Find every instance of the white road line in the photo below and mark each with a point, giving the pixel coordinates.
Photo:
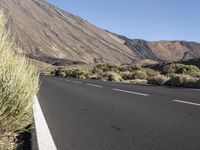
(94, 85)
(131, 92)
(78, 82)
(186, 102)
(44, 138)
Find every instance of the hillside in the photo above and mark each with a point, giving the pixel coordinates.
(48, 34)
(53, 37)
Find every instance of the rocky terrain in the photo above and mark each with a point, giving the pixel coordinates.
(53, 37)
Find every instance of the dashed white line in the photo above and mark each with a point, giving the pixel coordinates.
(78, 82)
(131, 92)
(94, 85)
(44, 137)
(186, 102)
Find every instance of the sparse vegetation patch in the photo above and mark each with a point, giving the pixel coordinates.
(178, 75)
(18, 85)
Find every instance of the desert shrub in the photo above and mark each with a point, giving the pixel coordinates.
(151, 73)
(183, 81)
(176, 80)
(127, 75)
(137, 72)
(169, 69)
(128, 68)
(158, 80)
(181, 69)
(107, 67)
(140, 74)
(58, 72)
(72, 72)
(76, 73)
(18, 85)
(125, 68)
(96, 71)
(112, 76)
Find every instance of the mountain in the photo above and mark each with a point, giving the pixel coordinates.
(53, 37)
(163, 51)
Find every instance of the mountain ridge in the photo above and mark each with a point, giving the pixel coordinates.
(52, 37)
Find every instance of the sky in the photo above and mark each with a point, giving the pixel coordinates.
(140, 19)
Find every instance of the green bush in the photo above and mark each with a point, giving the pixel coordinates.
(18, 85)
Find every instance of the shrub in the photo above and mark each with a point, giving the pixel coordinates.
(140, 74)
(59, 72)
(76, 73)
(181, 69)
(159, 80)
(18, 85)
(112, 76)
(176, 80)
(183, 81)
(151, 73)
(96, 72)
(169, 69)
(127, 75)
(128, 68)
(107, 67)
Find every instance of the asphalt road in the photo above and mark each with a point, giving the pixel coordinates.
(97, 115)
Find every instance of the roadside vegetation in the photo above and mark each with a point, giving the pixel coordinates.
(178, 75)
(18, 85)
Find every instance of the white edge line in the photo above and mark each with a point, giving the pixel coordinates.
(94, 85)
(44, 137)
(186, 102)
(131, 92)
(77, 82)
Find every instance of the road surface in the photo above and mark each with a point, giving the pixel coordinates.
(97, 115)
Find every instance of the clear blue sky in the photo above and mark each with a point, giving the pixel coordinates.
(145, 19)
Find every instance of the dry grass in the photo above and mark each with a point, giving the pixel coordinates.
(18, 84)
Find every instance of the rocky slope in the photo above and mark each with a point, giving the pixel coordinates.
(51, 36)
